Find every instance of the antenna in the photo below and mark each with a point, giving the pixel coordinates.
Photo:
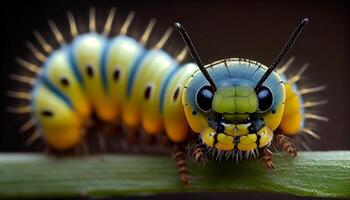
(283, 53)
(194, 54)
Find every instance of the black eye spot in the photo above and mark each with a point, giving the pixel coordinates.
(265, 98)
(47, 113)
(204, 98)
(176, 94)
(116, 75)
(148, 91)
(194, 113)
(89, 71)
(273, 111)
(64, 81)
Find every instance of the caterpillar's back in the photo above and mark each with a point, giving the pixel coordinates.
(115, 78)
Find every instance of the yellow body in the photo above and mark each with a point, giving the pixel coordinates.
(292, 116)
(58, 68)
(97, 75)
(121, 55)
(139, 109)
(175, 121)
(88, 54)
(62, 130)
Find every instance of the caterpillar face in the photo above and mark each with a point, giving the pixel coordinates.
(236, 115)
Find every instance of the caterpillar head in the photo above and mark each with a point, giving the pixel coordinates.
(235, 104)
(235, 112)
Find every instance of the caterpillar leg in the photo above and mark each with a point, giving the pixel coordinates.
(286, 144)
(267, 155)
(198, 154)
(181, 162)
(129, 139)
(132, 136)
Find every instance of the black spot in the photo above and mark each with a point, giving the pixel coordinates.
(47, 113)
(215, 139)
(273, 111)
(176, 94)
(219, 117)
(220, 128)
(148, 91)
(251, 129)
(194, 113)
(256, 126)
(236, 140)
(89, 71)
(204, 98)
(258, 137)
(116, 75)
(265, 98)
(64, 81)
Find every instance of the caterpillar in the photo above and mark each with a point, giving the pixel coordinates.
(234, 108)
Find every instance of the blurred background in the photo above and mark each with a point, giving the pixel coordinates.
(255, 30)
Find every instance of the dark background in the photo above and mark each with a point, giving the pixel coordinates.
(220, 29)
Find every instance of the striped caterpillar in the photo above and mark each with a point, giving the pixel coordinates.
(235, 108)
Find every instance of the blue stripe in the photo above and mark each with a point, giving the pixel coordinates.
(134, 68)
(103, 64)
(43, 79)
(56, 91)
(73, 64)
(165, 86)
(301, 102)
(34, 94)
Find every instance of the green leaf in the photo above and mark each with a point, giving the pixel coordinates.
(313, 174)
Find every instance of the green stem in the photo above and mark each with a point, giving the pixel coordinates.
(313, 174)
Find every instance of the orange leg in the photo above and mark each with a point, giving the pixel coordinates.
(180, 157)
(286, 144)
(267, 155)
(198, 153)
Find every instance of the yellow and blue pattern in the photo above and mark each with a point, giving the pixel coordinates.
(119, 79)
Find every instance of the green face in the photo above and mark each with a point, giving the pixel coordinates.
(235, 103)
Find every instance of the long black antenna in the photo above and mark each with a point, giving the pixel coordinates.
(283, 53)
(194, 54)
